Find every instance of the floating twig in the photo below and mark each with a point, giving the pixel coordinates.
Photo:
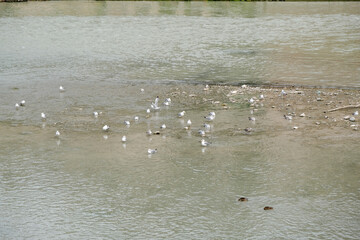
(345, 107)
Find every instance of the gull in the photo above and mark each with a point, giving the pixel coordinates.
(283, 93)
(252, 119)
(251, 100)
(202, 133)
(154, 105)
(210, 117)
(57, 134)
(261, 97)
(302, 115)
(61, 89)
(123, 139)
(206, 87)
(188, 123)
(136, 118)
(17, 105)
(167, 101)
(96, 114)
(163, 126)
(152, 151)
(204, 143)
(149, 132)
(43, 116)
(356, 113)
(148, 110)
(142, 90)
(106, 128)
(288, 117)
(207, 127)
(181, 114)
(22, 103)
(127, 123)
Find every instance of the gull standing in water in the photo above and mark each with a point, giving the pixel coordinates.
(61, 89)
(96, 114)
(204, 143)
(167, 101)
(188, 123)
(17, 106)
(149, 132)
(127, 123)
(106, 128)
(202, 133)
(43, 116)
(210, 117)
(22, 103)
(163, 126)
(57, 134)
(181, 114)
(136, 118)
(152, 151)
(123, 139)
(207, 127)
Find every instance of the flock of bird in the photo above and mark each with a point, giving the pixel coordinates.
(153, 107)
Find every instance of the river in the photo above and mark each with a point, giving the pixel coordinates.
(88, 184)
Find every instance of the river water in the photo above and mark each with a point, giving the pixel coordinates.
(87, 184)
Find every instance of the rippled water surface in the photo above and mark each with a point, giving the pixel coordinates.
(87, 184)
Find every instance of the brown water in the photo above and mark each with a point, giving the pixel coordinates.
(87, 184)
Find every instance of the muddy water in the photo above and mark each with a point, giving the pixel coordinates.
(88, 184)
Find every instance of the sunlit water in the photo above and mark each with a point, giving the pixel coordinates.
(87, 184)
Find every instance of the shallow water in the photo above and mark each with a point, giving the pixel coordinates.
(87, 184)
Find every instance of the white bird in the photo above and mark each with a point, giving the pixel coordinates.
(283, 93)
(57, 134)
(181, 114)
(288, 117)
(356, 113)
(261, 97)
(22, 103)
(123, 139)
(251, 100)
(96, 114)
(43, 116)
(204, 143)
(207, 127)
(188, 123)
(136, 118)
(155, 107)
(142, 90)
(163, 126)
(127, 123)
(106, 128)
(202, 133)
(17, 105)
(252, 119)
(166, 103)
(149, 132)
(152, 151)
(61, 89)
(148, 110)
(210, 117)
